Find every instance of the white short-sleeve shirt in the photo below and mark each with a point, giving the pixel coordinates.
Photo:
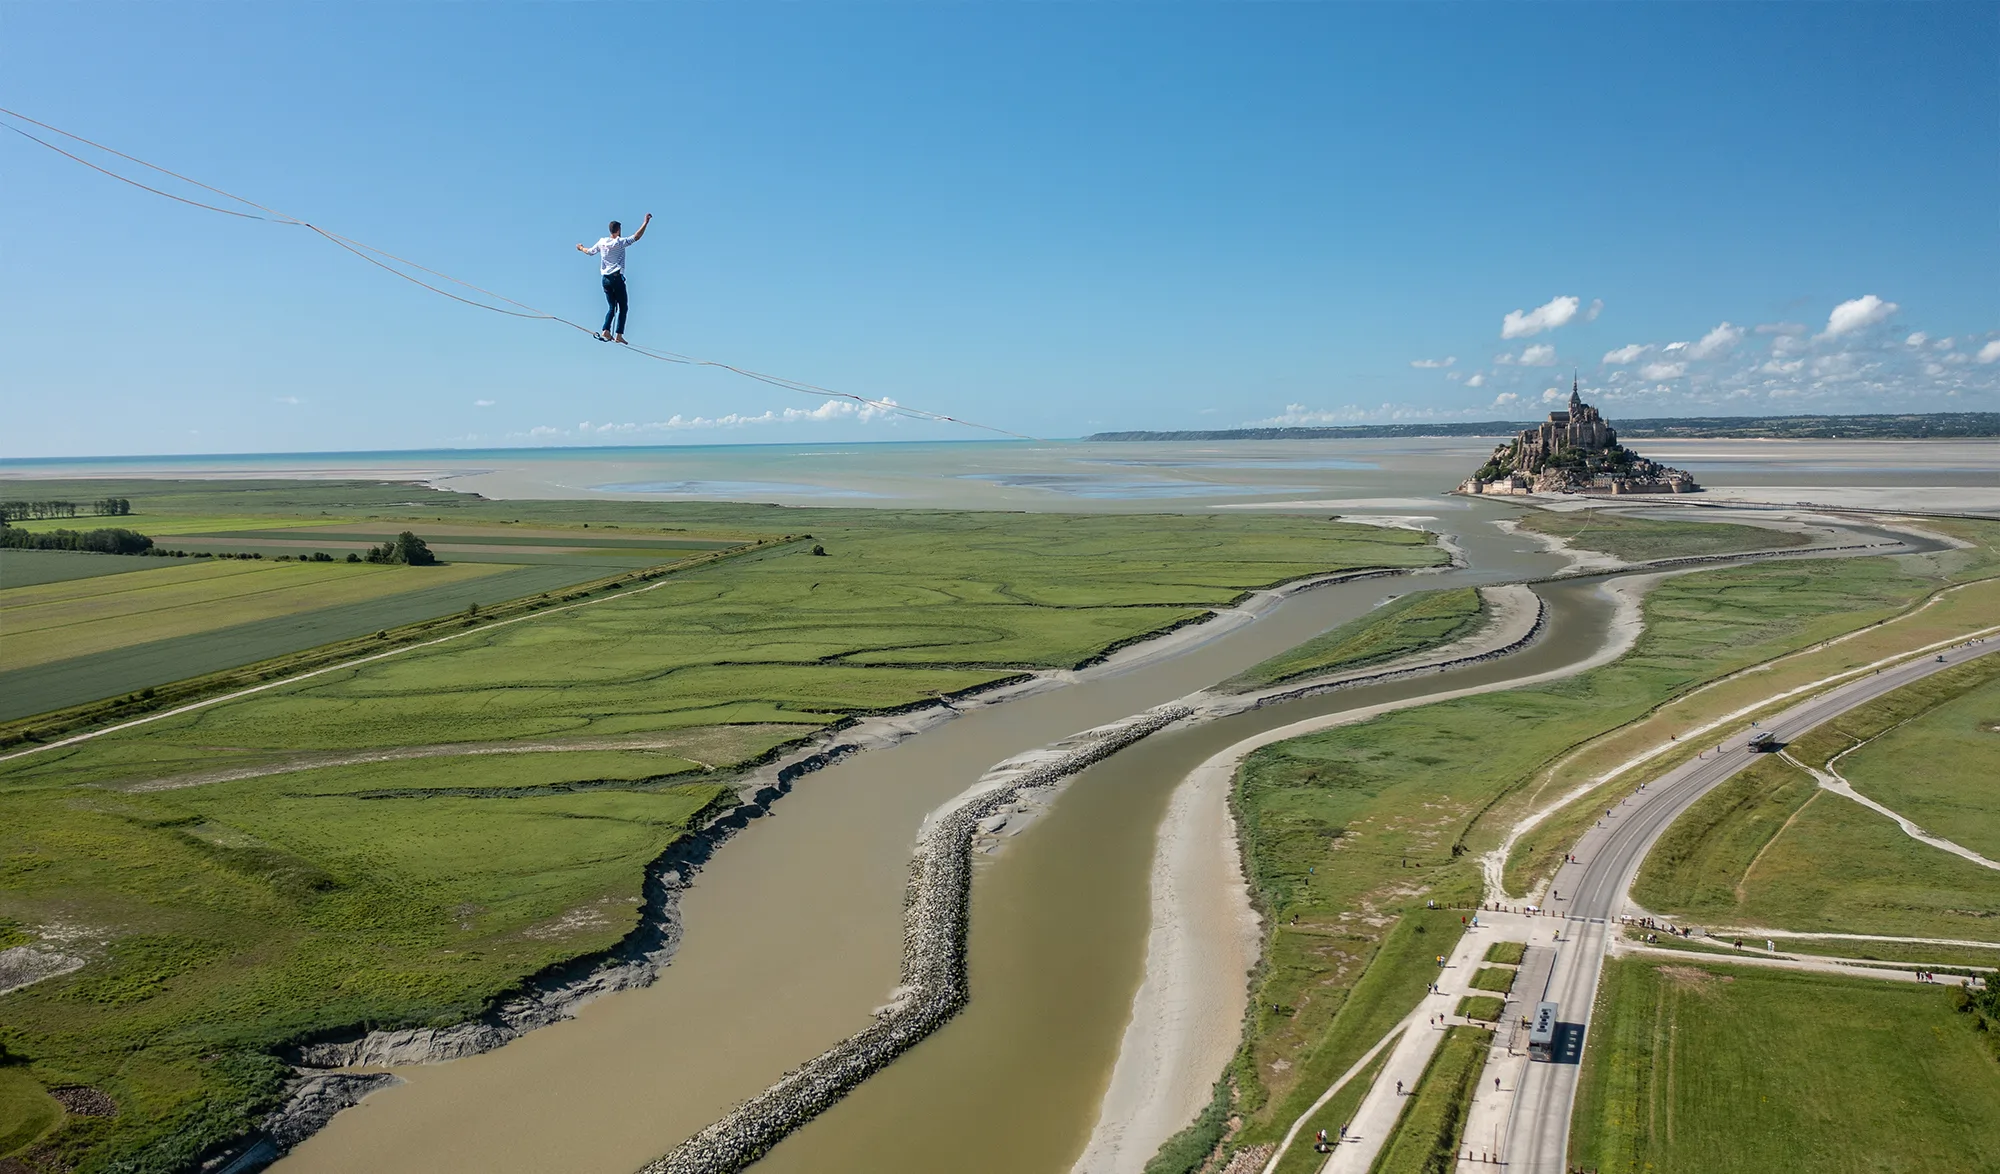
(611, 254)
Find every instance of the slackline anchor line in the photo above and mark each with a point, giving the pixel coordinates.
(388, 262)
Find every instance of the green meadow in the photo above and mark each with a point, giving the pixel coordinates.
(1412, 623)
(1770, 848)
(1957, 792)
(89, 617)
(1638, 539)
(1701, 1068)
(401, 842)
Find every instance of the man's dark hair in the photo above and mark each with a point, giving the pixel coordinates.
(616, 228)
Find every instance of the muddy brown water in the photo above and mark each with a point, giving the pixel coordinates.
(792, 937)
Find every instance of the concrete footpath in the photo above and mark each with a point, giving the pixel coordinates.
(1493, 1103)
(1376, 1118)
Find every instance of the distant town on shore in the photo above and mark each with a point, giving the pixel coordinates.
(1922, 426)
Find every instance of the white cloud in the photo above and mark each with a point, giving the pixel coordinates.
(1551, 314)
(1917, 339)
(1945, 344)
(1774, 367)
(1990, 352)
(1447, 361)
(1478, 380)
(482, 403)
(1787, 344)
(1857, 314)
(1596, 308)
(1659, 371)
(1296, 415)
(1674, 348)
(1539, 355)
(832, 409)
(1716, 342)
(1626, 354)
(1552, 395)
(1783, 328)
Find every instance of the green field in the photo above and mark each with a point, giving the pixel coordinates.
(1412, 623)
(1956, 794)
(1352, 830)
(1433, 1120)
(1714, 1069)
(28, 568)
(1498, 979)
(89, 617)
(1638, 539)
(238, 916)
(1770, 848)
(352, 849)
(1507, 953)
(82, 632)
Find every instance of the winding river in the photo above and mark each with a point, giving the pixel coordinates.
(792, 935)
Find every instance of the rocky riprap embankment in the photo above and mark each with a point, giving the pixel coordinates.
(935, 926)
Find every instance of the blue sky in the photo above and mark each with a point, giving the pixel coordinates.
(1051, 218)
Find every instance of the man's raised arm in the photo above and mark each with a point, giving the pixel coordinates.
(586, 248)
(642, 228)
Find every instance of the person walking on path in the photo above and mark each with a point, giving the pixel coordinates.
(610, 254)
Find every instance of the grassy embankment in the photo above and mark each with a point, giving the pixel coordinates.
(1714, 1069)
(1507, 953)
(1641, 539)
(221, 919)
(1432, 1123)
(1770, 848)
(1412, 623)
(1352, 830)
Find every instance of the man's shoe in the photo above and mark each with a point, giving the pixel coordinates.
(604, 336)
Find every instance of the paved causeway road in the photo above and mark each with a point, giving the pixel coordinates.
(1592, 895)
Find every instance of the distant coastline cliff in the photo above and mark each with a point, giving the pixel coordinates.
(1573, 451)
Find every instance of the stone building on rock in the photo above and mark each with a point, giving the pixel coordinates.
(1573, 451)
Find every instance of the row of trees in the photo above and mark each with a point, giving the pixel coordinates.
(109, 507)
(113, 540)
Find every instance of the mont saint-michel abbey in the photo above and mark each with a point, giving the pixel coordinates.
(1574, 451)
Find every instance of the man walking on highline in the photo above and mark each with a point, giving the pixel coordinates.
(610, 254)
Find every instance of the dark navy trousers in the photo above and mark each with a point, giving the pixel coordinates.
(614, 297)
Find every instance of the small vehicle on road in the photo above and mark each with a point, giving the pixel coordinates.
(1761, 741)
